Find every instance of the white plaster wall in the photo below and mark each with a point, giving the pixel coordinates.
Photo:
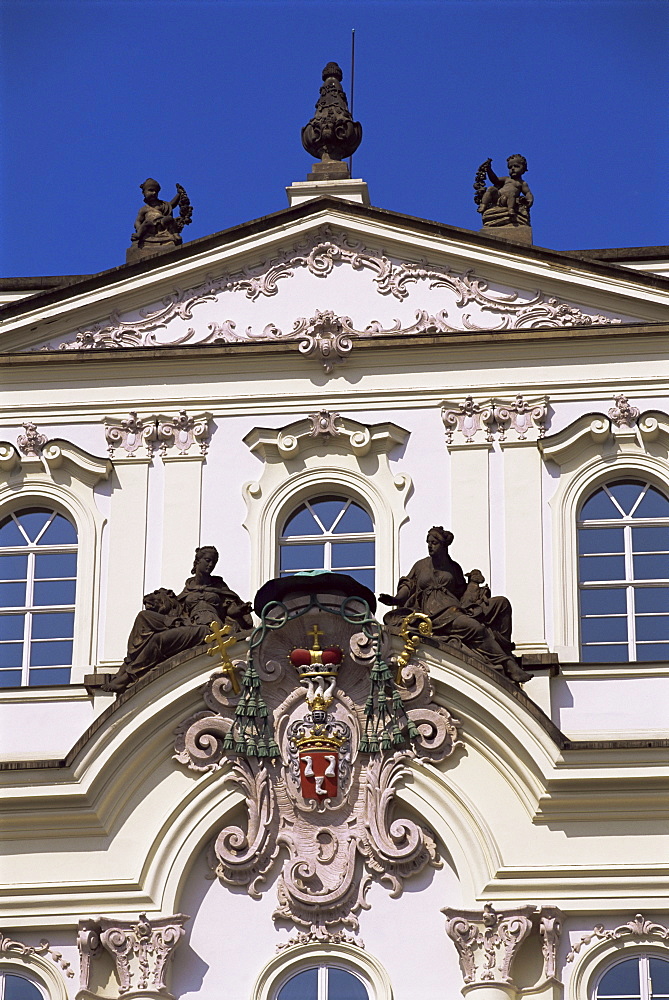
(610, 706)
(231, 936)
(47, 728)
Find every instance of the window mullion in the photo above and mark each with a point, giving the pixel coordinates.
(629, 592)
(28, 625)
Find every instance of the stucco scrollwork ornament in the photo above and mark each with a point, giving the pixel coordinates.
(325, 337)
(521, 416)
(623, 413)
(10, 946)
(141, 950)
(469, 418)
(319, 254)
(488, 942)
(324, 424)
(131, 433)
(31, 442)
(318, 742)
(178, 434)
(638, 927)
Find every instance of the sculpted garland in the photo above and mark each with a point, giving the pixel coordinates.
(319, 256)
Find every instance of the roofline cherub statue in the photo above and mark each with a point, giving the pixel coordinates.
(508, 201)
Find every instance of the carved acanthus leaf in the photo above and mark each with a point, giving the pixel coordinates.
(319, 255)
(10, 946)
(31, 442)
(496, 417)
(623, 413)
(181, 432)
(487, 943)
(140, 948)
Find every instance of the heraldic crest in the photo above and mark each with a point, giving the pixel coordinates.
(317, 729)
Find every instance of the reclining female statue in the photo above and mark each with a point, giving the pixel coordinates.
(436, 586)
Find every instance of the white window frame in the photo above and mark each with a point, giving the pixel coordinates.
(63, 479)
(641, 958)
(288, 962)
(44, 975)
(592, 452)
(630, 584)
(327, 536)
(299, 467)
(594, 962)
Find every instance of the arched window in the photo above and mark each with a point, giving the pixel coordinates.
(644, 977)
(623, 550)
(38, 570)
(330, 533)
(324, 983)
(17, 987)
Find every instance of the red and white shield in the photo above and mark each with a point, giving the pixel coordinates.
(318, 773)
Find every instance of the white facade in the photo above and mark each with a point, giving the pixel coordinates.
(555, 809)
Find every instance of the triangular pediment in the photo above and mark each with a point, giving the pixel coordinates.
(361, 272)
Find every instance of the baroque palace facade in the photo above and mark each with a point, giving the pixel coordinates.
(275, 790)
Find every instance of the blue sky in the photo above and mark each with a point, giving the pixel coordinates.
(99, 94)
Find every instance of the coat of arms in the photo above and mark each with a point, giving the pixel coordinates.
(319, 738)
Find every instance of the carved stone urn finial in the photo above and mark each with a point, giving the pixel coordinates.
(331, 135)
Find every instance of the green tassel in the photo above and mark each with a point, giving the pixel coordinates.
(273, 749)
(228, 743)
(385, 740)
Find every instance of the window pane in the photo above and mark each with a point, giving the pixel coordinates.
(652, 629)
(651, 567)
(600, 540)
(602, 568)
(10, 534)
(652, 652)
(354, 520)
(50, 676)
(609, 601)
(19, 988)
(12, 595)
(32, 521)
(621, 980)
(56, 564)
(328, 509)
(303, 986)
(302, 557)
(59, 532)
(10, 678)
(352, 554)
(650, 539)
(47, 654)
(345, 986)
(13, 567)
(301, 523)
(604, 629)
(654, 504)
(54, 592)
(659, 976)
(651, 599)
(57, 625)
(11, 626)
(363, 576)
(599, 507)
(11, 654)
(626, 494)
(605, 654)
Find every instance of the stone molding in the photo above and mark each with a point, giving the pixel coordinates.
(324, 424)
(9, 947)
(488, 942)
(495, 419)
(141, 950)
(56, 454)
(319, 254)
(173, 436)
(356, 438)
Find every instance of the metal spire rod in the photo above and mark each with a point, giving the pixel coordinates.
(350, 159)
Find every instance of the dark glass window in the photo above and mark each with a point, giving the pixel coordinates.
(18, 988)
(324, 983)
(643, 977)
(623, 557)
(329, 533)
(38, 580)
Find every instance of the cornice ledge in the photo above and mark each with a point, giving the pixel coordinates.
(87, 468)
(598, 432)
(279, 444)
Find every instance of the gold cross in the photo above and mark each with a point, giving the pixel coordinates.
(315, 633)
(219, 645)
